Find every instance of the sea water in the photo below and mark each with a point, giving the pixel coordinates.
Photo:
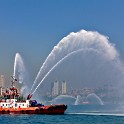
(72, 118)
(75, 114)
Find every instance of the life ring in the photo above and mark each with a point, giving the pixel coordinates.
(3, 111)
(36, 110)
(8, 111)
(50, 108)
(23, 112)
(27, 111)
(41, 109)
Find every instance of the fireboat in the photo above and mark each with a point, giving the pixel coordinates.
(12, 103)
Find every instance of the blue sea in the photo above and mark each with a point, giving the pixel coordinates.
(73, 115)
(80, 118)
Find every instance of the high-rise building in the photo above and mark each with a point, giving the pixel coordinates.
(52, 87)
(2, 81)
(1, 91)
(55, 89)
(64, 88)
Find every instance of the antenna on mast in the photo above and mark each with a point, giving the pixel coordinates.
(13, 80)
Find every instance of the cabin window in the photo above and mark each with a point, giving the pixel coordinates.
(6, 104)
(3, 104)
(23, 104)
(16, 105)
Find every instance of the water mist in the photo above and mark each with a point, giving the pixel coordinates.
(83, 59)
(20, 73)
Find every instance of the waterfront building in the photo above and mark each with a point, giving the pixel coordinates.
(2, 81)
(52, 88)
(55, 89)
(1, 91)
(64, 88)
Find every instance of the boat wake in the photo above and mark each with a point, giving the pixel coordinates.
(97, 114)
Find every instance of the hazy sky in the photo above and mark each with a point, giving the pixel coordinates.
(34, 27)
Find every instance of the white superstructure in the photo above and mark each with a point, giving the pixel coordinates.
(13, 103)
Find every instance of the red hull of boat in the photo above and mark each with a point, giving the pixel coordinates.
(59, 109)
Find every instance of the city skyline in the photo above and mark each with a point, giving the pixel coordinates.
(34, 28)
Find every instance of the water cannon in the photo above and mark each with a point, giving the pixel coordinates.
(29, 97)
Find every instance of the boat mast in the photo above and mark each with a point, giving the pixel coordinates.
(13, 81)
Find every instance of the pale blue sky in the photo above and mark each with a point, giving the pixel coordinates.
(34, 27)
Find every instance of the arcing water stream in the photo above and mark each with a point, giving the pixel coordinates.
(108, 64)
(92, 59)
